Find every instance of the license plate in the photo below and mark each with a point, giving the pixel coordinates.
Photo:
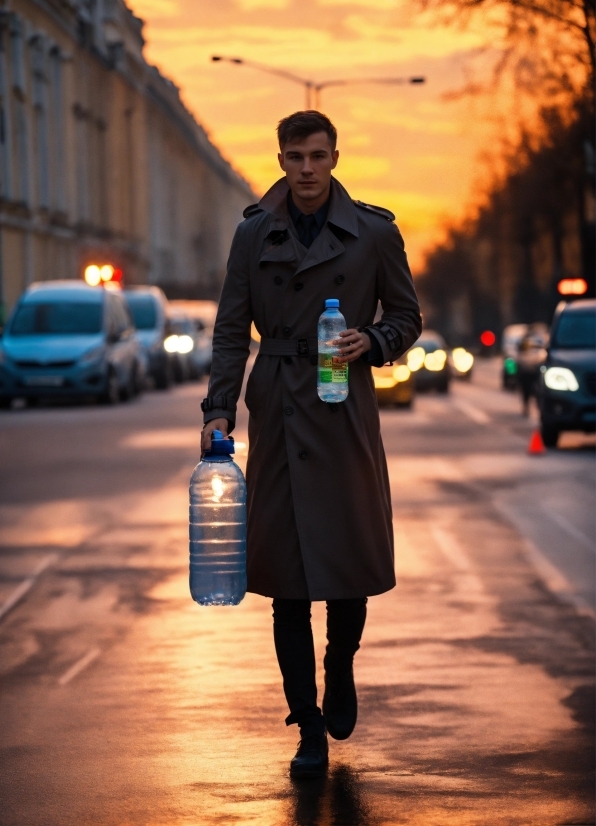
(44, 381)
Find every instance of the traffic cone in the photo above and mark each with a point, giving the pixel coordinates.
(536, 445)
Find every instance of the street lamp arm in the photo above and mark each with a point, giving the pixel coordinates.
(387, 80)
(269, 69)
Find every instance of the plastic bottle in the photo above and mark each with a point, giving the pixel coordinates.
(218, 527)
(332, 379)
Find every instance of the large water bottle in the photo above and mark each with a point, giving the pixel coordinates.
(332, 379)
(218, 527)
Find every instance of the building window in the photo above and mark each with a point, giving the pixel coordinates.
(5, 124)
(40, 114)
(56, 116)
(21, 131)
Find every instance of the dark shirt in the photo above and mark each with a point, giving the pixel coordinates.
(308, 227)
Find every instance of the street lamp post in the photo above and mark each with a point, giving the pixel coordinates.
(313, 90)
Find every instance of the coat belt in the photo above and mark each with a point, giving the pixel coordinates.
(289, 346)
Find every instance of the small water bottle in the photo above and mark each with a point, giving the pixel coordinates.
(218, 527)
(332, 379)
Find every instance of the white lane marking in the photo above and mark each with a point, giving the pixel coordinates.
(79, 666)
(473, 413)
(455, 554)
(569, 527)
(21, 589)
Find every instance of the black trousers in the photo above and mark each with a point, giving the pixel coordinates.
(294, 645)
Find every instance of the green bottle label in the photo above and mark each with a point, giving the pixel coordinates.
(330, 373)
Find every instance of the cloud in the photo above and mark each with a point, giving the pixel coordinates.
(250, 5)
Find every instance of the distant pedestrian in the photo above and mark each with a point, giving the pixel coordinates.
(319, 504)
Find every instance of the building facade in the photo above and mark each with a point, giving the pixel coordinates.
(100, 162)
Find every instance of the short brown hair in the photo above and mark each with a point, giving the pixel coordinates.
(302, 124)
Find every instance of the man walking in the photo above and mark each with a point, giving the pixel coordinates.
(319, 504)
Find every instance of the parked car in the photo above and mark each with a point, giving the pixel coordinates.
(202, 314)
(567, 392)
(65, 339)
(193, 348)
(149, 309)
(510, 341)
(394, 384)
(427, 359)
(180, 343)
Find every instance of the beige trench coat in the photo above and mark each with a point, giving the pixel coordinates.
(319, 503)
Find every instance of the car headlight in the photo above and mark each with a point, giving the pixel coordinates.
(560, 378)
(462, 360)
(435, 361)
(416, 358)
(401, 372)
(91, 355)
(185, 344)
(170, 344)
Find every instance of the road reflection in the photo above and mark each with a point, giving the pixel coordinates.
(336, 799)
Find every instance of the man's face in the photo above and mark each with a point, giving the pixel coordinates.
(308, 166)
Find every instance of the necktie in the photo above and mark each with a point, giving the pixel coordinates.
(308, 230)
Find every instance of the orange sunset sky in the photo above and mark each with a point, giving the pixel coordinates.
(407, 148)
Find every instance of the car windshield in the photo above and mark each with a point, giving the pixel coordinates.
(576, 331)
(58, 318)
(143, 310)
(429, 345)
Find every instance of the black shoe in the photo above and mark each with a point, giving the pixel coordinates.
(340, 703)
(312, 757)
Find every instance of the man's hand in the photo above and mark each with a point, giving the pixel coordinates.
(352, 345)
(214, 424)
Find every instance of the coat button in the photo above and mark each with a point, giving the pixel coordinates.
(298, 287)
(287, 360)
(287, 331)
(278, 280)
(334, 408)
(288, 410)
(303, 454)
(314, 359)
(339, 279)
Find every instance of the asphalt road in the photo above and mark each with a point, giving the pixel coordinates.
(124, 703)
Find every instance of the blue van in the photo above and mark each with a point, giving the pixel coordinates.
(66, 339)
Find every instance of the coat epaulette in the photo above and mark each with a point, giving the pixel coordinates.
(251, 210)
(379, 210)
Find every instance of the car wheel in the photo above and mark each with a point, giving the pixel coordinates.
(111, 394)
(550, 435)
(5, 402)
(443, 387)
(404, 405)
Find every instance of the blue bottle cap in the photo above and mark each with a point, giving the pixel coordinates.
(331, 303)
(219, 445)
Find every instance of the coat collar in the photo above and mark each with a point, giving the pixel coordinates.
(285, 246)
(342, 212)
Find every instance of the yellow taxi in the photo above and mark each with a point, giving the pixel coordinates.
(394, 384)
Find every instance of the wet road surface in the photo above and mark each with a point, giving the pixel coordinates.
(124, 703)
